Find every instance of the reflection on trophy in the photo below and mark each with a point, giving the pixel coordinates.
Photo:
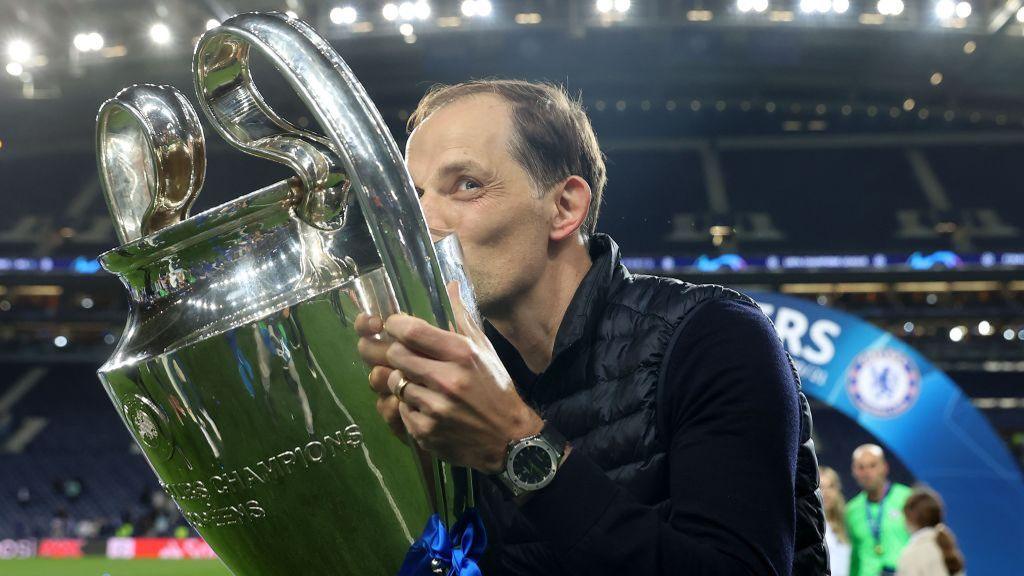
(238, 373)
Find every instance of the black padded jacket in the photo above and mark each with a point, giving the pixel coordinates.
(632, 386)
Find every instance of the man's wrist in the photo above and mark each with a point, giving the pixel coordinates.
(522, 499)
(527, 423)
(532, 462)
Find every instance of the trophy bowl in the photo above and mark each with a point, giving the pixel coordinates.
(237, 372)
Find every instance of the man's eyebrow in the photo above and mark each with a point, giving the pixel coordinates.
(460, 166)
(456, 167)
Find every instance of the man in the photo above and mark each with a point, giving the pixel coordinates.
(874, 518)
(682, 412)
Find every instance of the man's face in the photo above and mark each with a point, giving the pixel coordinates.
(870, 470)
(469, 184)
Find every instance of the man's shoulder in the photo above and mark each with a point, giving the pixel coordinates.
(856, 503)
(900, 492)
(674, 299)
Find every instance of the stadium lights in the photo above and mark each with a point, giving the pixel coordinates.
(945, 9)
(19, 51)
(88, 42)
(471, 8)
(15, 68)
(60, 341)
(159, 33)
(957, 333)
(1008, 334)
(419, 10)
(344, 15)
(607, 6)
(824, 6)
(985, 328)
(890, 7)
(406, 29)
(813, 6)
(758, 6)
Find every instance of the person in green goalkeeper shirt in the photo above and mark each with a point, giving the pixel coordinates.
(874, 518)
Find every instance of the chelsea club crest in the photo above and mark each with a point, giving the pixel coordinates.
(883, 383)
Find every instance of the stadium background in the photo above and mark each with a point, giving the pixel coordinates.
(861, 155)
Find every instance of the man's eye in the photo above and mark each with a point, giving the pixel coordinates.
(467, 184)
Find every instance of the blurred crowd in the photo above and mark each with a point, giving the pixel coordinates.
(155, 515)
(888, 528)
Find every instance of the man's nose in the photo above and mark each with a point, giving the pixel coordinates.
(438, 220)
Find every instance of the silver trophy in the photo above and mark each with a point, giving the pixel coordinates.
(237, 372)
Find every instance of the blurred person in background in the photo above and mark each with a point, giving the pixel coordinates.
(932, 549)
(836, 537)
(874, 518)
(126, 529)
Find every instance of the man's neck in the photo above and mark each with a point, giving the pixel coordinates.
(877, 494)
(531, 323)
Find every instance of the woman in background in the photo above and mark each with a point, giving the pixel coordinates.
(836, 537)
(932, 549)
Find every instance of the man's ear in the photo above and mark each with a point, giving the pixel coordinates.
(571, 203)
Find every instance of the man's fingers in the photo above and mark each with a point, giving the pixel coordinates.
(367, 325)
(419, 397)
(417, 368)
(418, 424)
(373, 352)
(387, 407)
(379, 380)
(425, 338)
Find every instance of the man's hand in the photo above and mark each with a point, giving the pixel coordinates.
(460, 403)
(373, 349)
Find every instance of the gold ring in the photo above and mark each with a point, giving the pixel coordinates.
(400, 389)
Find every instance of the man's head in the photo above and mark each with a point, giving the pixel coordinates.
(514, 168)
(870, 468)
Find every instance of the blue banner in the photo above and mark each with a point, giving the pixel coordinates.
(920, 415)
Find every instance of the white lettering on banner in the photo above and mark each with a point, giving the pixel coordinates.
(121, 548)
(20, 548)
(170, 551)
(810, 341)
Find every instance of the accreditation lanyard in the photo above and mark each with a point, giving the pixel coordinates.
(875, 521)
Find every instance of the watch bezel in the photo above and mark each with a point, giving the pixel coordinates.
(553, 459)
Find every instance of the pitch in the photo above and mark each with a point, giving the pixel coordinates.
(107, 567)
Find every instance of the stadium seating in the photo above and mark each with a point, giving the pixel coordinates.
(83, 439)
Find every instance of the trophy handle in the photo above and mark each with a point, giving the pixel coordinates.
(152, 158)
(357, 154)
(357, 142)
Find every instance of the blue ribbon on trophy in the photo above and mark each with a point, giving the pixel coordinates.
(458, 551)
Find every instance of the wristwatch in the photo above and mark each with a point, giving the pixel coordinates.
(531, 462)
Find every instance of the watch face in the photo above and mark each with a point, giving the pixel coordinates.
(532, 465)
